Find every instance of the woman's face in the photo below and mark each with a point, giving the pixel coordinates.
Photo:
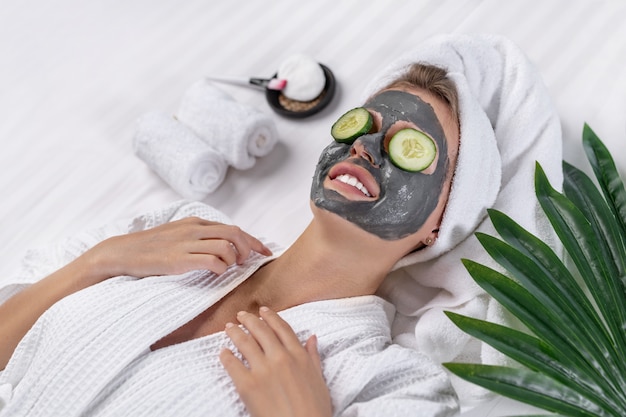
(359, 182)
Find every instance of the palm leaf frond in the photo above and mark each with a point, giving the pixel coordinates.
(579, 188)
(606, 173)
(573, 360)
(579, 239)
(529, 387)
(569, 319)
(533, 353)
(540, 270)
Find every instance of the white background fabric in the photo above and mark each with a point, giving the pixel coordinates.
(74, 76)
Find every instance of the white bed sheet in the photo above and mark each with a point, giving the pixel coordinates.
(75, 75)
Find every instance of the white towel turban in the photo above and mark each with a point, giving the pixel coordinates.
(507, 122)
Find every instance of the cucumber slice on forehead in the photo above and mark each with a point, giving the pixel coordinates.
(351, 125)
(411, 150)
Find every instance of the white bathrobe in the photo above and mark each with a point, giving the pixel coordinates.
(90, 353)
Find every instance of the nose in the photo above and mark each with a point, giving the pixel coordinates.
(369, 148)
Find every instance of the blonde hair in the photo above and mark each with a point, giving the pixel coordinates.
(432, 79)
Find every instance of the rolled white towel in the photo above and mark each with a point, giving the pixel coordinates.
(190, 166)
(238, 131)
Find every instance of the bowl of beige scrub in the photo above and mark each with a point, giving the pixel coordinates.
(310, 87)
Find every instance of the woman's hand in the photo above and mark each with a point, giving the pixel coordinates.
(173, 248)
(283, 378)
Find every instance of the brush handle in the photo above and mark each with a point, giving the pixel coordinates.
(261, 82)
(238, 81)
(233, 80)
(264, 83)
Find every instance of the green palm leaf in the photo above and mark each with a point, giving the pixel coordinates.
(574, 359)
(580, 241)
(535, 354)
(529, 387)
(606, 173)
(571, 317)
(543, 323)
(579, 188)
(540, 270)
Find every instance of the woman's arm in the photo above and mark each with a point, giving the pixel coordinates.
(171, 248)
(19, 313)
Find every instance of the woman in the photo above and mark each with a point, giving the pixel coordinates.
(367, 214)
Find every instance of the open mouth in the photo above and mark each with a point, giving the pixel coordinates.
(352, 181)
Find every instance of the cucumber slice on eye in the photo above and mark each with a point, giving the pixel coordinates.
(411, 150)
(351, 125)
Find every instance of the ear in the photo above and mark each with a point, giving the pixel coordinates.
(431, 238)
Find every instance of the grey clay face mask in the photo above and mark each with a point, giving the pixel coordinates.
(406, 199)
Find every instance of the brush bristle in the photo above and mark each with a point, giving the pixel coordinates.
(276, 84)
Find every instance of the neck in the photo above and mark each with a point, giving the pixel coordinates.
(320, 266)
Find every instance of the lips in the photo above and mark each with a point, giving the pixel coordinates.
(352, 181)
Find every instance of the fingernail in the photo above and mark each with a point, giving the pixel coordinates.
(264, 309)
(241, 313)
(229, 325)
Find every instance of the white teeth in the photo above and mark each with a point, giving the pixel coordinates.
(350, 180)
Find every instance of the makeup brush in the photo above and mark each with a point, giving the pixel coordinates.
(266, 83)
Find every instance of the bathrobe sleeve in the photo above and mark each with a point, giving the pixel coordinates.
(41, 262)
(6, 391)
(401, 382)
